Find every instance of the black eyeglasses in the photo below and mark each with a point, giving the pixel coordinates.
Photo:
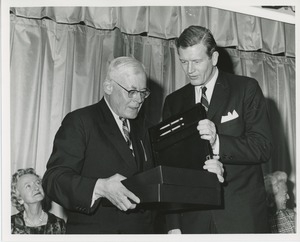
(133, 93)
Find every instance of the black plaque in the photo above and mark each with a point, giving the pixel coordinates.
(176, 141)
(176, 186)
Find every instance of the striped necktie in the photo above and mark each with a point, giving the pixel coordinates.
(204, 100)
(126, 131)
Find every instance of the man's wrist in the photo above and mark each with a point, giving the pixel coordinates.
(98, 191)
(216, 146)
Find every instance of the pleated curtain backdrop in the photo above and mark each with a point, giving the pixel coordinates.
(59, 58)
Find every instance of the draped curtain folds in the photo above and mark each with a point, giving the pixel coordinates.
(246, 32)
(59, 58)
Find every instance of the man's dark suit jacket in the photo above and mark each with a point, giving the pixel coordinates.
(245, 143)
(89, 145)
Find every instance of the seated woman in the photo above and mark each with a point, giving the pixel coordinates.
(27, 195)
(281, 218)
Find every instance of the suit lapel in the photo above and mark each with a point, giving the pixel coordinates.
(136, 137)
(115, 136)
(219, 97)
(189, 96)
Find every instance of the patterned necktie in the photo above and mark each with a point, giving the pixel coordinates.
(126, 133)
(204, 100)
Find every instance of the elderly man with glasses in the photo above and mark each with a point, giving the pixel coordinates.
(96, 148)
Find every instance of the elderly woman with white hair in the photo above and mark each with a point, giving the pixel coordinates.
(281, 218)
(27, 195)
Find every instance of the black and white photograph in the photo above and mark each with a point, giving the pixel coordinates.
(151, 120)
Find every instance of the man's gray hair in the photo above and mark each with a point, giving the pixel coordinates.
(123, 63)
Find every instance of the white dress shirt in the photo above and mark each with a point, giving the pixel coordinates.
(119, 122)
(209, 91)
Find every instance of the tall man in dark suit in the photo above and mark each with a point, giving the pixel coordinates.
(97, 147)
(238, 129)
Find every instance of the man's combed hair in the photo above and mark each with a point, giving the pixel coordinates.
(195, 35)
(15, 178)
(123, 63)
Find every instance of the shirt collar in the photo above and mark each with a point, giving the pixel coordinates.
(210, 85)
(114, 114)
(116, 117)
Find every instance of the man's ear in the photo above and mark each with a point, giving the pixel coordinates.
(108, 87)
(215, 57)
